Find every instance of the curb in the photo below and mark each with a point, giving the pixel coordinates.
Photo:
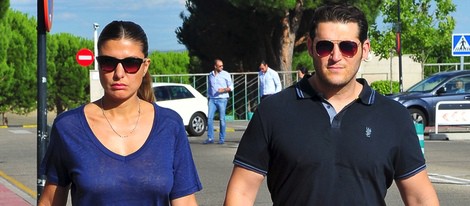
(19, 126)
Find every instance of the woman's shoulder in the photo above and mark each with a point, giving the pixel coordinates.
(165, 113)
(72, 113)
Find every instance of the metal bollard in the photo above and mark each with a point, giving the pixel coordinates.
(420, 132)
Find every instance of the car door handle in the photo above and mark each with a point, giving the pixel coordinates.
(467, 97)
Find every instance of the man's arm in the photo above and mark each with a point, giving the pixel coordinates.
(242, 187)
(417, 190)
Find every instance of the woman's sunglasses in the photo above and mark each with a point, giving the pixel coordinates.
(130, 64)
(325, 47)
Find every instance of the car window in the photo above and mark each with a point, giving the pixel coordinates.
(161, 93)
(459, 85)
(428, 84)
(179, 92)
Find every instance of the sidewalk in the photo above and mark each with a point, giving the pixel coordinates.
(11, 195)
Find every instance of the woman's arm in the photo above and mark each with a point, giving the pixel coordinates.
(189, 200)
(53, 195)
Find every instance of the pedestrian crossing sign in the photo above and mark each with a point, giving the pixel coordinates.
(460, 45)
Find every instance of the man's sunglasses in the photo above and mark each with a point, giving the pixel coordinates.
(130, 64)
(325, 47)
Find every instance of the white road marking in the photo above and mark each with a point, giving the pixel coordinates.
(438, 178)
(21, 131)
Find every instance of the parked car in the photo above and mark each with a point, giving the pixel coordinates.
(187, 102)
(421, 99)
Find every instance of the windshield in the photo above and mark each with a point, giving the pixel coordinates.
(428, 84)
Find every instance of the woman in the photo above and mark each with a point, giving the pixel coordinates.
(122, 149)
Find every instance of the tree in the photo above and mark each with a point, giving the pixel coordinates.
(246, 32)
(68, 83)
(217, 29)
(287, 15)
(170, 63)
(4, 5)
(17, 63)
(426, 30)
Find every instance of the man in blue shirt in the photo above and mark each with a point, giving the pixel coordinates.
(220, 85)
(269, 82)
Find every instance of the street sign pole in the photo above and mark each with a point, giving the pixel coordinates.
(398, 43)
(42, 94)
(461, 63)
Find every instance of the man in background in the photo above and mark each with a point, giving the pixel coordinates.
(220, 85)
(269, 82)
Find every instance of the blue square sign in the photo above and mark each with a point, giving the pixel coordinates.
(460, 45)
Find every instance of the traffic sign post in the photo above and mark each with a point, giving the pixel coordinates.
(461, 47)
(85, 57)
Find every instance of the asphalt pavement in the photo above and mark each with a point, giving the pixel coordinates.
(13, 192)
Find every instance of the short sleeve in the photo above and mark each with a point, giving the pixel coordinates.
(52, 165)
(253, 153)
(410, 159)
(186, 179)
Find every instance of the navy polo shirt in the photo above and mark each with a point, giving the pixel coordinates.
(310, 159)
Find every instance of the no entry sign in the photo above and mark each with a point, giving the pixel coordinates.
(85, 57)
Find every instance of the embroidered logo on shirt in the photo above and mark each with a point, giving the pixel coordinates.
(368, 132)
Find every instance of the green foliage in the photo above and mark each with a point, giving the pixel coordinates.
(426, 29)
(385, 87)
(69, 82)
(170, 63)
(18, 63)
(302, 59)
(4, 5)
(244, 32)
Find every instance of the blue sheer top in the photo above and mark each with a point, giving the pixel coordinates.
(161, 170)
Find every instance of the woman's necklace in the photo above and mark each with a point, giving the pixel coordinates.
(121, 136)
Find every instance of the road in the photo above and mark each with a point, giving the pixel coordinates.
(448, 165)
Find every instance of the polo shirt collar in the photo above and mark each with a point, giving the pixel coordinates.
(304, 90)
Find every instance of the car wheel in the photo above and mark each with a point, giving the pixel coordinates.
(418, 116)
(197, 124)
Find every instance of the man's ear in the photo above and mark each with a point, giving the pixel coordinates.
(310, 47)
(366, 50)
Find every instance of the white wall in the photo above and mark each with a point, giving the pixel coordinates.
(374, 69)
(96, 91)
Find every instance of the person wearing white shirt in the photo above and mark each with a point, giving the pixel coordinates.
(220, 85)
(269, 81)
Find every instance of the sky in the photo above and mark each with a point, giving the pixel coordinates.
(159, 18)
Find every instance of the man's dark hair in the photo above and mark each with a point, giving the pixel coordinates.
(343, 13)
(303, 70)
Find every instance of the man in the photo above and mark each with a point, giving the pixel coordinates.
(220, 85)
(269, 82)
(301, 72)
(330, 139)
(459, 87)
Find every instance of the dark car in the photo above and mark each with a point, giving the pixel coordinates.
(421, 99)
